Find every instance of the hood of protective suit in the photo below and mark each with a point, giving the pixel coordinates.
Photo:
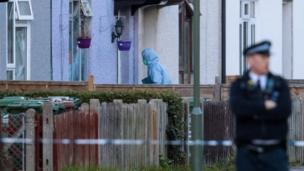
(150, 56)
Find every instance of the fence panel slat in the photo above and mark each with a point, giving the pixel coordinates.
(30, 134)
(117, 120)
(48, 128)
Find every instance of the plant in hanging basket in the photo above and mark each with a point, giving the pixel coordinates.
(84, 41)
(124, 45)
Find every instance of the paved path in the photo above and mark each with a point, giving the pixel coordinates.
(297, 169)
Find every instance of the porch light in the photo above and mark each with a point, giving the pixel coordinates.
(119, 26)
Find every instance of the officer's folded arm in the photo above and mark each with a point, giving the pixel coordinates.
(283, 106)
(247, 108)
(244, 107)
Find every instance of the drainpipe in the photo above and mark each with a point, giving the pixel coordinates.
(51, 39)
(223, 61)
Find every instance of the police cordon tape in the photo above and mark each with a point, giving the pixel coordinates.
(214, 143)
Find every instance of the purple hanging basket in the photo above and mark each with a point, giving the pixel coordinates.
(124, 45)
(84, 43)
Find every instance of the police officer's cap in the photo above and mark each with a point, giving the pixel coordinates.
(262, 48)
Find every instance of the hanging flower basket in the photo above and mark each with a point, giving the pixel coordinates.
(124, 45)
(84, 43)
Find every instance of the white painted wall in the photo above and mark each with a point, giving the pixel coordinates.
(232, 37)
(269, 26)
(298, 36)
(210, 40)
(158, 29)
(168, 40)
(287, 50)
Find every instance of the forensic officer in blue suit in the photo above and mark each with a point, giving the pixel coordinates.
(261, 103)
(156, 72)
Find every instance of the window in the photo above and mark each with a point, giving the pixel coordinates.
(21, 45)
(11, 33)
(24, 10)
(18, 45)
(80, 22)
(247, 29)
(10, 74)
(86, 8)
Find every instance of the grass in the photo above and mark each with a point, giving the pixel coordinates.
(295, 164)
(227, 165)
(75, 168)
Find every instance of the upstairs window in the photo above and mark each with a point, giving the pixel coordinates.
(24, 10)
(247, 29)
(19, 12)
(86, 8)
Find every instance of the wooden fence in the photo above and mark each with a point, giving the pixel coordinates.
(143, 121)
(296, 129)
(117, 120)
(81, 124)
(214, 91)
(219, 124)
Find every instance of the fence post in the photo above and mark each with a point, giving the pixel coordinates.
(30, 135)
(91, 85)
(94, 115)
(47, 133)
(118, 133)
(217, 89)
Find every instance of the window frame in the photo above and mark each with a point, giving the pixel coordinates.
(14, 72)
(251, 9)
(24, 17)
(86, 8)
(250, 31)
(243, 4)
(11, 65)
(28, 52)
(17, 23)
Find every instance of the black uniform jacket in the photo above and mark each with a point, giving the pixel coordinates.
(253, 121)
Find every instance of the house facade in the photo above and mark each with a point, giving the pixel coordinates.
(249, 21)
(43, 43)
(24, 52)
(145, 24)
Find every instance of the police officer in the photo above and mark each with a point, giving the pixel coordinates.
(261, 103)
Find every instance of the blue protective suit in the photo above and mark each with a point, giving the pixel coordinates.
(156, 72)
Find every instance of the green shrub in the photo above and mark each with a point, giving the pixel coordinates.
(175, 129)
